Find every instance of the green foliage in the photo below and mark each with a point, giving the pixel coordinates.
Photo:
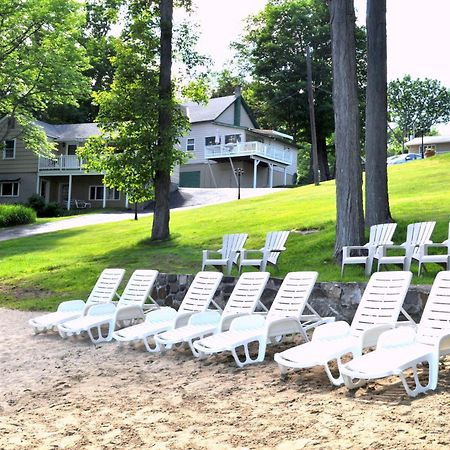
(127, 150)
(65, 265)
(42, 209)
(41, 61)
(416, 105)
(11, 215)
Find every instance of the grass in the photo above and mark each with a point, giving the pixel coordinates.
(40, 271)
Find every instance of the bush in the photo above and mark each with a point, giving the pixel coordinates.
(16, 215)
(42, 210)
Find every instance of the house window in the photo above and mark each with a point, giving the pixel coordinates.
(9, 189)
(96, 193)
(72, 149)
(210, 140)
(9, 149)
(232, 138)
(190, 145)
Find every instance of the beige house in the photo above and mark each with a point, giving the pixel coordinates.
(440, 144)
(224, 139)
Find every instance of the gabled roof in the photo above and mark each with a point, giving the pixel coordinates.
(70, 132)
(198, 112)
(427, 140)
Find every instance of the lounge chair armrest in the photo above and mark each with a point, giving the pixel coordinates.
(285, 325)
(205, 317)
(160, 315)
(423, 249)
(347, 250)
(444, 343)
(331, 331)
(71, 305)
(208, 253)
(397, 337)
(104, 308)
(226, 321)
(370, 337)
(182, 319)
(129, 312)
(248, 322)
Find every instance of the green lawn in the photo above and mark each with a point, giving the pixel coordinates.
(38, 272)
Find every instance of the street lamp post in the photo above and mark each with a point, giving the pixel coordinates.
(238, 171)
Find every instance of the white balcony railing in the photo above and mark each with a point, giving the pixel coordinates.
(61, 162)
(248, 149)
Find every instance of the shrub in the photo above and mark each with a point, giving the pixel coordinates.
(16, 215)
(42, 210)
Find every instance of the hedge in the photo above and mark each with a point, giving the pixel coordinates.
(16, 215)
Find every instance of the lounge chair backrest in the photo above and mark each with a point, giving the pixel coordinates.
(419, 233)
(138, 288)
(275, 240)
(292, 296)
(106, 286)
(381, 234)
(232, 243)
(201, 292)
(382, 301)
(436, 315)
(246, 294)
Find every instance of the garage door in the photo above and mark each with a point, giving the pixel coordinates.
(190, 179)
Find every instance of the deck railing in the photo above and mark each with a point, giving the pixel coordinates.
(248, 149)
(61, 162)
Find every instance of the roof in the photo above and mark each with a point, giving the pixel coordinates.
(70, 132)
(272, 133)
(198, 112)
(427, 140)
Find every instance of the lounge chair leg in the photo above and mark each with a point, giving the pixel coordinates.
(150, 349)
(336, 381)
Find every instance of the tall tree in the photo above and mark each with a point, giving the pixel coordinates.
(416, 105)
(377, 198)
(41, 61)
(349, 209)
(160, 229)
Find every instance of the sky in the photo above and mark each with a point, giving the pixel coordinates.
(418, 35)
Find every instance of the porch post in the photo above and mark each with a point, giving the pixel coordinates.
(270, 175)
(285, 176)
(37, 184)
(255, 172)
(126, 201)
(104, 196)
(69, 194)
(234, 172)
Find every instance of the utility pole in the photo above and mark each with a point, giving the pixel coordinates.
(312, 118)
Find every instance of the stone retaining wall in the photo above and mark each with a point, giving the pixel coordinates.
(328, 299)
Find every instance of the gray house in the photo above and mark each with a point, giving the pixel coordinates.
(224, 137)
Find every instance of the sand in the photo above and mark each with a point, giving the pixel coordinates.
(70, 394)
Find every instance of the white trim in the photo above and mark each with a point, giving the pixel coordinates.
(192, 143)
(4, 148)
(13, 183)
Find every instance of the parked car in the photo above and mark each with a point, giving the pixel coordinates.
(405, 157)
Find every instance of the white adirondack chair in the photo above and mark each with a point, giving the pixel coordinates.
(104, 291)
(243, 301)
(273, 246)
(422, 256)
(128, 310)
(285, 317)
(228, 255)
(406, 348)
(417, 234)
(197, 299)
(380, 234)
(378, 311)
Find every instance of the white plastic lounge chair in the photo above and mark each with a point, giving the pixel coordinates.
(231, 246)
(422, 256)
(378, 311)
(285, 317)
(103, 292)
(243, 301)
(380, 234)
(128, 309)
(198, 298)
(273, 246)
(406, 348)
(416, 235)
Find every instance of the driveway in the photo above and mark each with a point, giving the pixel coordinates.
(184, 198)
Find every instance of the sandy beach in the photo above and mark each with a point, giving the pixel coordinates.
(69, 394)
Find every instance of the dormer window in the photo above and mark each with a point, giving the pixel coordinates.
(9, 149)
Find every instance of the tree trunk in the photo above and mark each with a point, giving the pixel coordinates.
(377, 199)
(349, 211)
(161, 217)
(323, 157)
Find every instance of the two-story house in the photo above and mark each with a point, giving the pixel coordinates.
(224, 137)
